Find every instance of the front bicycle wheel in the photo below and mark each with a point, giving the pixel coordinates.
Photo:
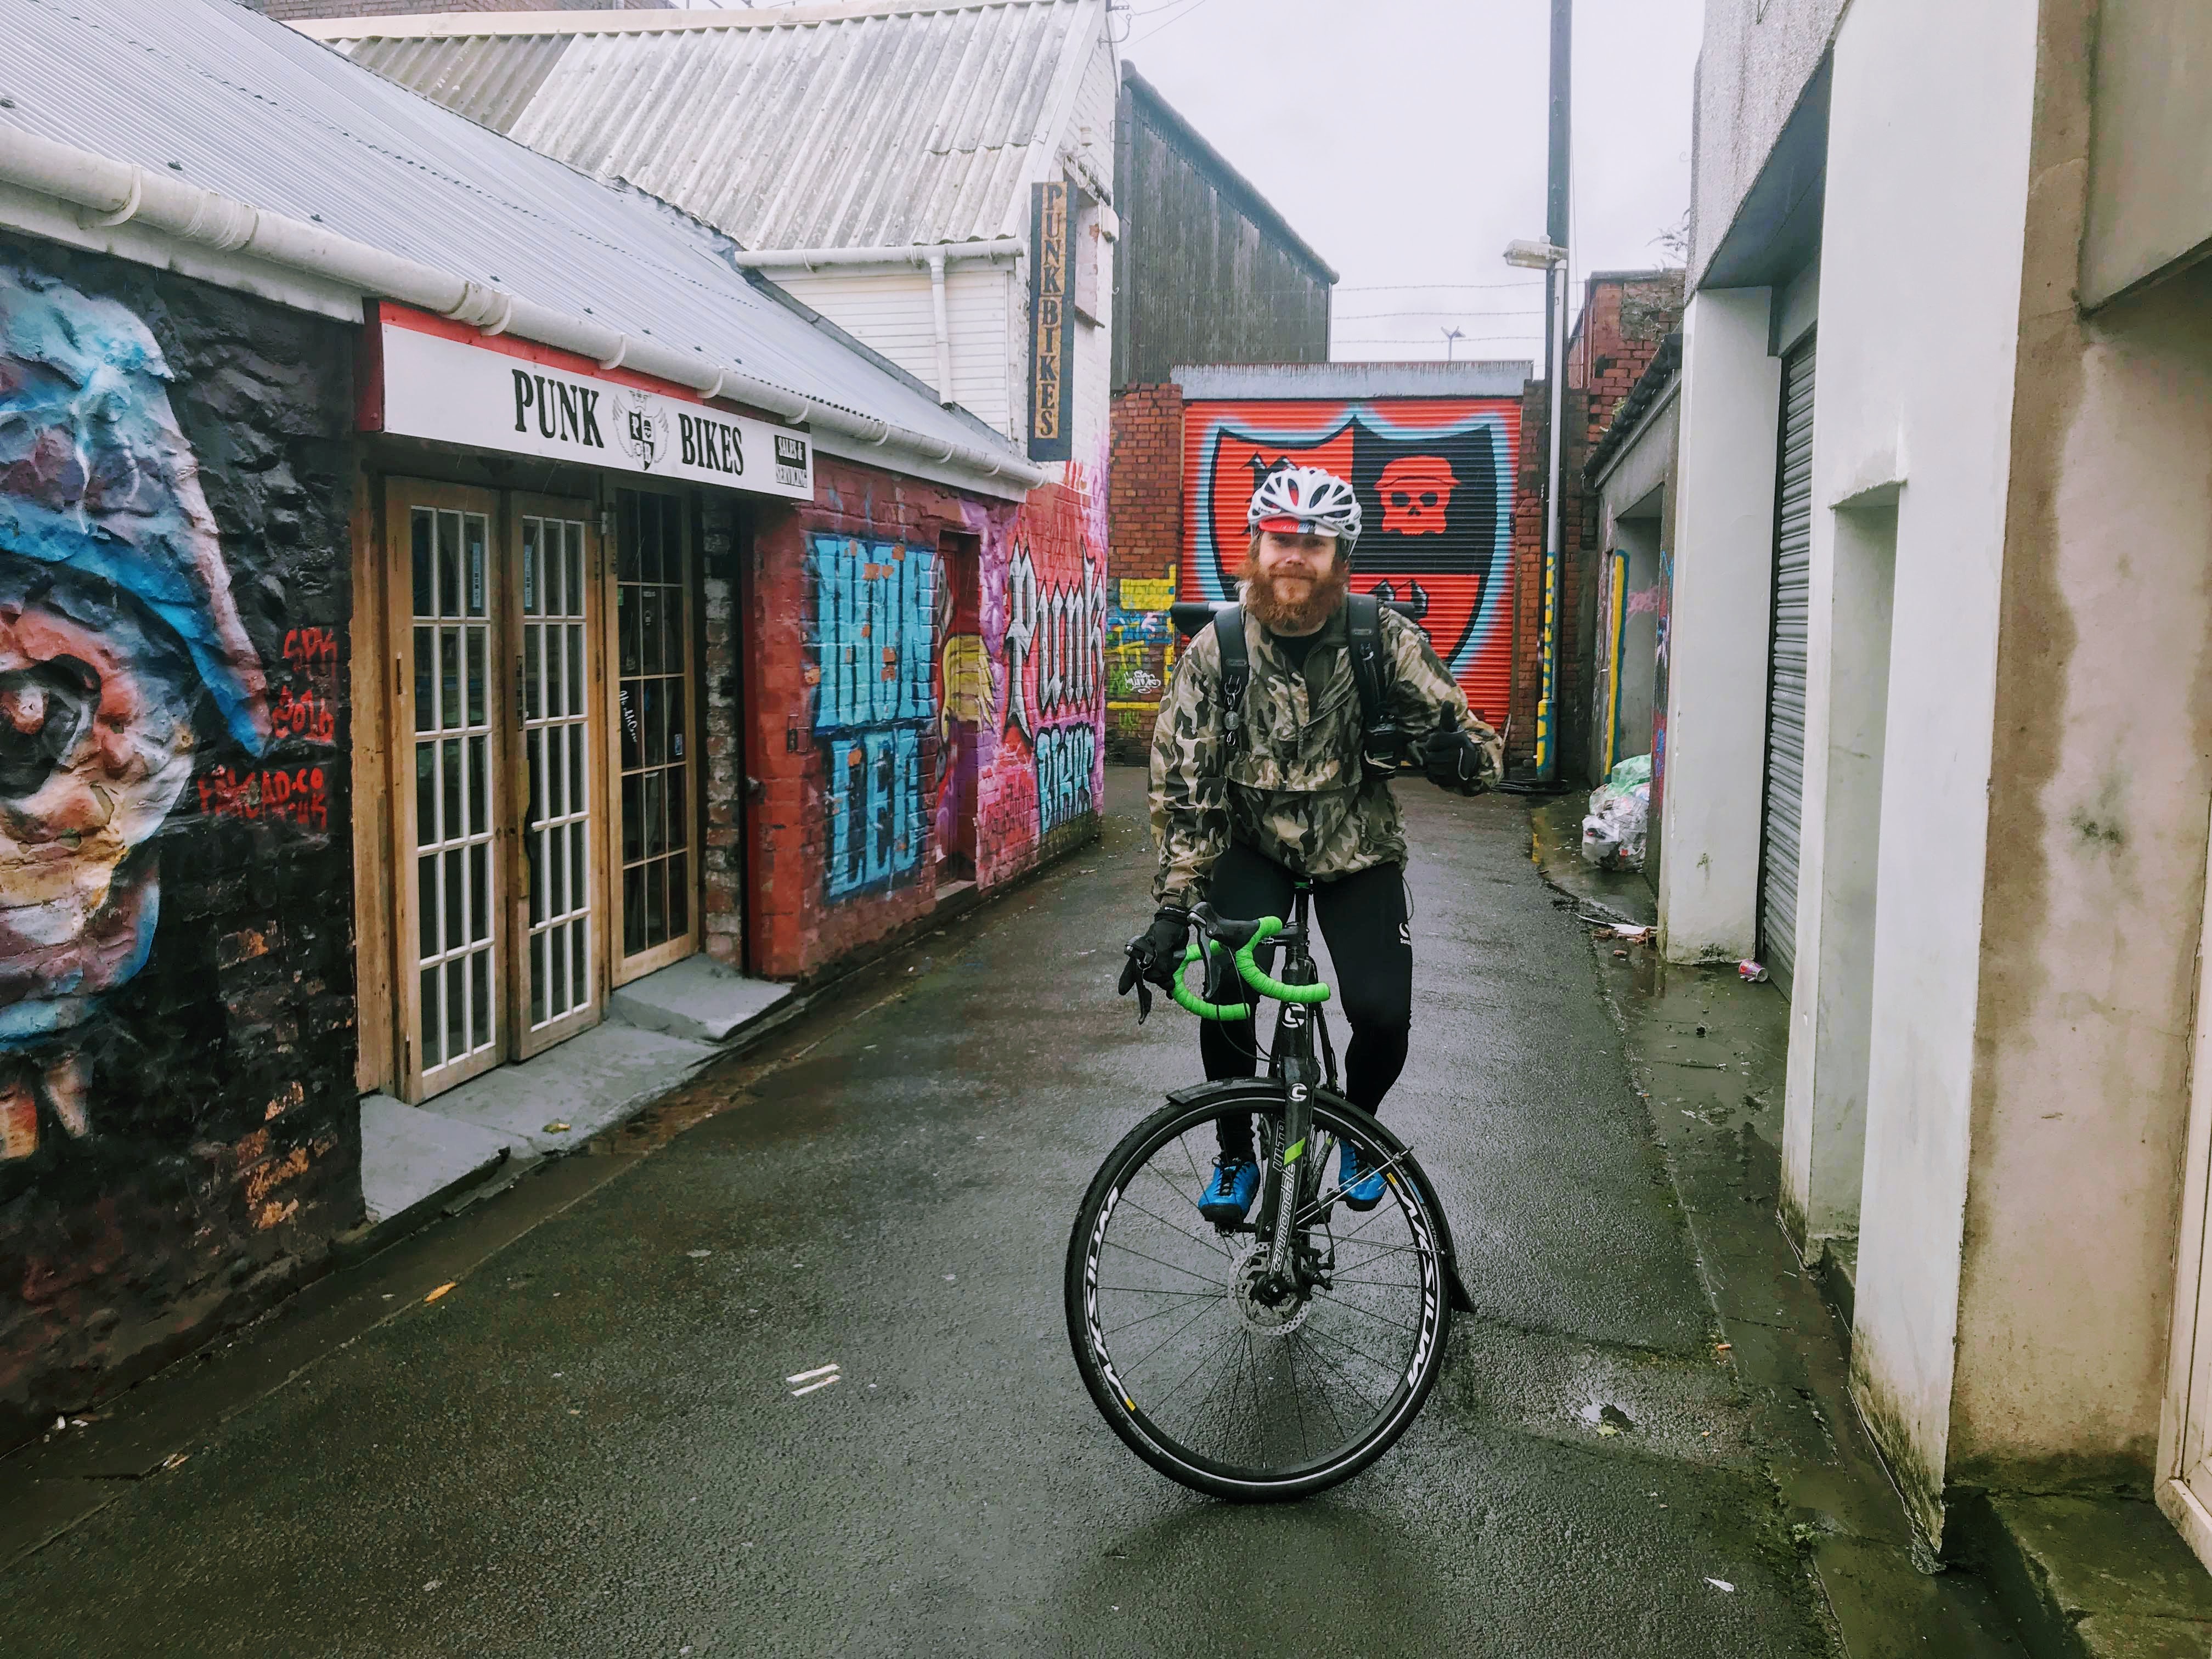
(1222, 1379)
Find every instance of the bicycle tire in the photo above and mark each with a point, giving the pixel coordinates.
(1416, 1207)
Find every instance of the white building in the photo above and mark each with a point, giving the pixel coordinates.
(1940, 701)
(878, 161)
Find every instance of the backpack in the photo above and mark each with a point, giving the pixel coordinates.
(1382, 742)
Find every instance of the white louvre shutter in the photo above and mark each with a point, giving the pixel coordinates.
(1788, 641)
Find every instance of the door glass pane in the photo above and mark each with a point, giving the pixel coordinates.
(456, 885)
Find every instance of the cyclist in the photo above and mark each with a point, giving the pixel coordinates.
(1302, 792)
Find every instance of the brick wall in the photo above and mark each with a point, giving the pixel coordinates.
(722, 866)
(1144, 536)
(911, 654)
(1624, 318)
(178, 1136)
(300, 10)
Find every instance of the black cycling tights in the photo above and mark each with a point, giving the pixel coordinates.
(1363, 919)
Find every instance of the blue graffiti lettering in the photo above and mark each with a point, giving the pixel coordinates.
(874, 605)
(1067, 757)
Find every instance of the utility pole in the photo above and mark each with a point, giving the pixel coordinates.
(1555, 360)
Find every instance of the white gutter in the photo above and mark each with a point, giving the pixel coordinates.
(113, 194)
(809, 258)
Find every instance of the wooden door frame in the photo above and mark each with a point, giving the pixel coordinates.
(622, 969)
(401, 495)
(601, 913)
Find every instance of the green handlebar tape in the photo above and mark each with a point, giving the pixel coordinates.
(1199, 1005)
(1269, 926)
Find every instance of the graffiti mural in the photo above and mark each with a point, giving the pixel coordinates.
(122, 654)
(1435, 481)
(875, 700)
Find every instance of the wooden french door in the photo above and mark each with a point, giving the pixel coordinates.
(449, 819)
(495, 612)
(558, 912)
(653, 744)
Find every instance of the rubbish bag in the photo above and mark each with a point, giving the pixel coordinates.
(1619, 815)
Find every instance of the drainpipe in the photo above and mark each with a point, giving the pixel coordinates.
(112, 193)
(940, 314)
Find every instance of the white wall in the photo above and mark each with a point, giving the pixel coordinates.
(1928, 151)
(890, 310)
(1730, 404)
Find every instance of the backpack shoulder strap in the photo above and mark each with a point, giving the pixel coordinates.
(1236, 673)
(1362, 620)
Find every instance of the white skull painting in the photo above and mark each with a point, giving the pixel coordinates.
(121, 654)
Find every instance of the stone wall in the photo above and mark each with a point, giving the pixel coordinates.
(179, 1138)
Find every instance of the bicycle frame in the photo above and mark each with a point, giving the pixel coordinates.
(1299, 1030)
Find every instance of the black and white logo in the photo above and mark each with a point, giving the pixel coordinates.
(642, 427)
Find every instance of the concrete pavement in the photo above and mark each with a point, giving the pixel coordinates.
(587, 1445)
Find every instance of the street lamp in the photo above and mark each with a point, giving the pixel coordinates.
(1451, 336)
(1551, 259)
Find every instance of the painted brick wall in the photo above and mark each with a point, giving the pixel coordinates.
(1145, 532)
(178, 1137)
(890, 679)
(722, 867)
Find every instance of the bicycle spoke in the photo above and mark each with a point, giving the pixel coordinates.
(1213, 1246)
(1116, 1244)
(1134, 1365)
(1365, 1313)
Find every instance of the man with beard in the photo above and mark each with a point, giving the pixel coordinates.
(1238, 821)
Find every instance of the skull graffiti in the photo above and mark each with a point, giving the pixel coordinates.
(1417, 492)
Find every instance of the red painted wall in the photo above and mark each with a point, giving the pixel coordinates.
(872, 689)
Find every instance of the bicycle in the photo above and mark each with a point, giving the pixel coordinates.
(1277, 1356)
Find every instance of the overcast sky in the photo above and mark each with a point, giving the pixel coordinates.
(1404, 140)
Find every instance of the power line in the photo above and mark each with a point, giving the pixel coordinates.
(1435, 311)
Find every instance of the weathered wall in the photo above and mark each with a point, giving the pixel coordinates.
(1436, 480)
(883, 701)
(2092, 910)
(1208, 272)
(178, 1132)
(2150, 170)
(1753, 67)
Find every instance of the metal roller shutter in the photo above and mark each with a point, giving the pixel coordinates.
(1788, 641)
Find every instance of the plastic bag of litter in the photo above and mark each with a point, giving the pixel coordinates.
(1619, 816)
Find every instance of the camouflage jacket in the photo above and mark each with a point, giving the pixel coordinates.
(1294, 793)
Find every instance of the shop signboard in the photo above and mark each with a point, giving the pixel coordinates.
(490, 392)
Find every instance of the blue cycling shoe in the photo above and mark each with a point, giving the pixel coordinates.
(1360, 1191)
(1231, 1193)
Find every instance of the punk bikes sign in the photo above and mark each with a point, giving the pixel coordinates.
(457, 391)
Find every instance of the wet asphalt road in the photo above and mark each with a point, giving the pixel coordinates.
(588, 1447)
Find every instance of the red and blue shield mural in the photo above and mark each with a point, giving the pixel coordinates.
(1435, 482)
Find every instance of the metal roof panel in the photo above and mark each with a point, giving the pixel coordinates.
(244, 105)
(862, 125)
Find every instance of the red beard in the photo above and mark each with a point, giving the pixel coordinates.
(1279, 614)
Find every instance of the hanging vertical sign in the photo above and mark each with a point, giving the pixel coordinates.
(1052, 341)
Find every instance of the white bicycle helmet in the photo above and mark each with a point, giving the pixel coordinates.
(1305, 501)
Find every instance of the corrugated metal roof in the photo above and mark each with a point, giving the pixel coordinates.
(249, 108)
(829, 126)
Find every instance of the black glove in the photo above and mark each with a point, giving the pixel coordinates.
(1155, 954)
(1457, 761)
